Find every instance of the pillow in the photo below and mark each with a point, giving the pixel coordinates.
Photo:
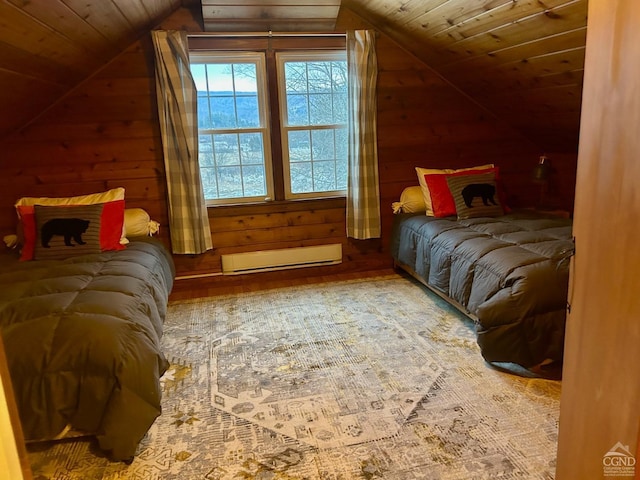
(137, 222)
(411, 201)
(425, 188)
(11, 241)
(475, 195)
(65, 231)
(442, 202)
(112, 218)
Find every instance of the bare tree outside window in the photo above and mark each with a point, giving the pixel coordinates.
(315, 123)
(232, 127)
(235, 157)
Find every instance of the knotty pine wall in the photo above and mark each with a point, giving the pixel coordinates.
(105, 134)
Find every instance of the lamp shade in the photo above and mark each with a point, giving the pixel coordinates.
(542, 170)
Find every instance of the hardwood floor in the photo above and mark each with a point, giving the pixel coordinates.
(188, 288)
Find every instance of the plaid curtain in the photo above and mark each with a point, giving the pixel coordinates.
(363, 191)
(177, 108)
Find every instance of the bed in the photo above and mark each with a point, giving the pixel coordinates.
(82, 338)
(508, 273)
(507, 270)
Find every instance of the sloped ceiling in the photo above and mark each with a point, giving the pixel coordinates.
(522, 60)
(48, 46)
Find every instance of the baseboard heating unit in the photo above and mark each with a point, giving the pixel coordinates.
(285, 258)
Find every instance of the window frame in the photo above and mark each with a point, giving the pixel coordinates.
(282, 57)
(259, 59)
(233, 44)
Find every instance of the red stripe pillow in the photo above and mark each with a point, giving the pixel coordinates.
(428, 171)
(442, 201)
(111, 219)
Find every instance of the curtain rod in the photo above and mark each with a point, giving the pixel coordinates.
(269, 34)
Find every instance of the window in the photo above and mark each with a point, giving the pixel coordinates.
(234, 151)
(313, 112)
(259, 143)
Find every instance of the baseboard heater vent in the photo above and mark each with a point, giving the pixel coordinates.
(268, 260)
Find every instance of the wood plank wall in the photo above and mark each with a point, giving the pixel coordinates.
(424, 121)
(105, 134)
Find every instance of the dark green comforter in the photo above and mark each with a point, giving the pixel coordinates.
(82, 338)
(509, 273)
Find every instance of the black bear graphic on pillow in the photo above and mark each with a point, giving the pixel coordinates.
(69, 228)
(484, 190)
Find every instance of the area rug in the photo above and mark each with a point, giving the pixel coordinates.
(363, 379)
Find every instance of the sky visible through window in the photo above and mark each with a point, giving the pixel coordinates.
(232, 128)
(222, 79)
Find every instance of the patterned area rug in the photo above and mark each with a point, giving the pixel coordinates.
(370, 379)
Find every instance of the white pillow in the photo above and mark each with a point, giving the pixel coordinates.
(429, 171)
(411, 201)
(10, 240)
(137, 223)
(90, 199)
(113, 194)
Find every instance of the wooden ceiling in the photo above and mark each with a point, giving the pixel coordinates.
(522, 60)
(270, 15)
(48, 46)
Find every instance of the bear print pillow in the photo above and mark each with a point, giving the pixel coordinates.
(66, 231)
(475, 195)
(112, 236)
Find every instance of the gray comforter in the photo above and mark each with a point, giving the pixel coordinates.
(82, 339)
(510, 274)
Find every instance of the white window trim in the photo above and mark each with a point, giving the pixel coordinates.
(259, 59)
(281, 59)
